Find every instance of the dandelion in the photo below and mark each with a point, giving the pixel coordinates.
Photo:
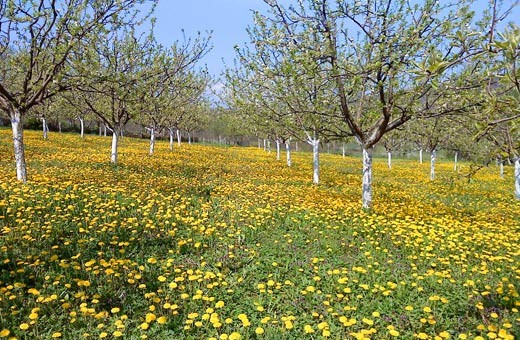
(24, 326)
(259, 330)
(4, 333)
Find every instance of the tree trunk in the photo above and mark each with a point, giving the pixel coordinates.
(420, 156)
(296, 146)
(189, 138)
(259, 146)
(269, 146)
(82, 127)
(171, 138)
(59, 126)
(328, 148)
(389, 160)
(178, 137)
(343, 150)
(19, 148)
(501, 169)
(517, 178)
(288, 152)
(115, 140)
(277, 149)
(315, 161)
(104, 130)
(366, 194)
(100, 130)
(455, 161)
(265, 145)
(433, 157)
(45, 128)
(152, 140)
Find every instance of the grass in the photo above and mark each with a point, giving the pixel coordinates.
(227, 243)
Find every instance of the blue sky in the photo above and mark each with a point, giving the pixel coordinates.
(227, 19)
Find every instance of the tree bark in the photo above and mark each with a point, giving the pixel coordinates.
(152, 140)
(19, 147)
(433, 157)
(389, 160)
(343, 150)
(420, 156)
(104, 130)
(178, 137)
(189, 138)
(366, 194)
(288, 152)
(115, 141)
(517, 178)
(277, 141)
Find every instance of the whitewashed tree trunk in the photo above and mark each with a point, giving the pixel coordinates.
(420, 156)
(328, 148)
(501, 164)
(121, 133)
(288, 152)
(433, 157)
(366, 194)
(315, 161)
(455, 165)
(268, 146)
(115, 142)
(189, 138)
(296, 146)
(265, 145)
(259, 146)
(343, 150)
(171, 138)
(104, 130)
(59, 126)
(517, 178)
(152, 140)
(277, 141)
(82, 127)
(389, 160)
(178, 137)
(45, 128)
(19, 149)
(100, 130)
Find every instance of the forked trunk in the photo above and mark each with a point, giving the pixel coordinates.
(152, 140)
(115, 141)
(19, 148)
(366, 194)
(433, 157)
(288, 152)
(517, 178)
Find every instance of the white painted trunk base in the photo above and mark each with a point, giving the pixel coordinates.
(501, 169)
(277, 150)
(288, 152)
(366, 194)
(115, 141)
(455, 161)
(517, 178)
(315, 161)
(433, 157)
(45, 128)
(152, 141)
(420, 156)
(19, 148)
(82, 127)
(389, 160)
(178, 137)
(171, 138)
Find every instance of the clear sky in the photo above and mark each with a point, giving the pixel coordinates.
(228, 20)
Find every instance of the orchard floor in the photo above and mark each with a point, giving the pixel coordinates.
(228, 243)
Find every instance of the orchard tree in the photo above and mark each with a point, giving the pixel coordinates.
(37, 39)
(385, 60)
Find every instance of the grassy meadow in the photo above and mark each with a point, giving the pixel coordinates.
(213, 242)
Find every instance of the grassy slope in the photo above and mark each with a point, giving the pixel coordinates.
(222, 242)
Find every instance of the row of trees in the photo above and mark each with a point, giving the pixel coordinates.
(381, 70)
(88, 59)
